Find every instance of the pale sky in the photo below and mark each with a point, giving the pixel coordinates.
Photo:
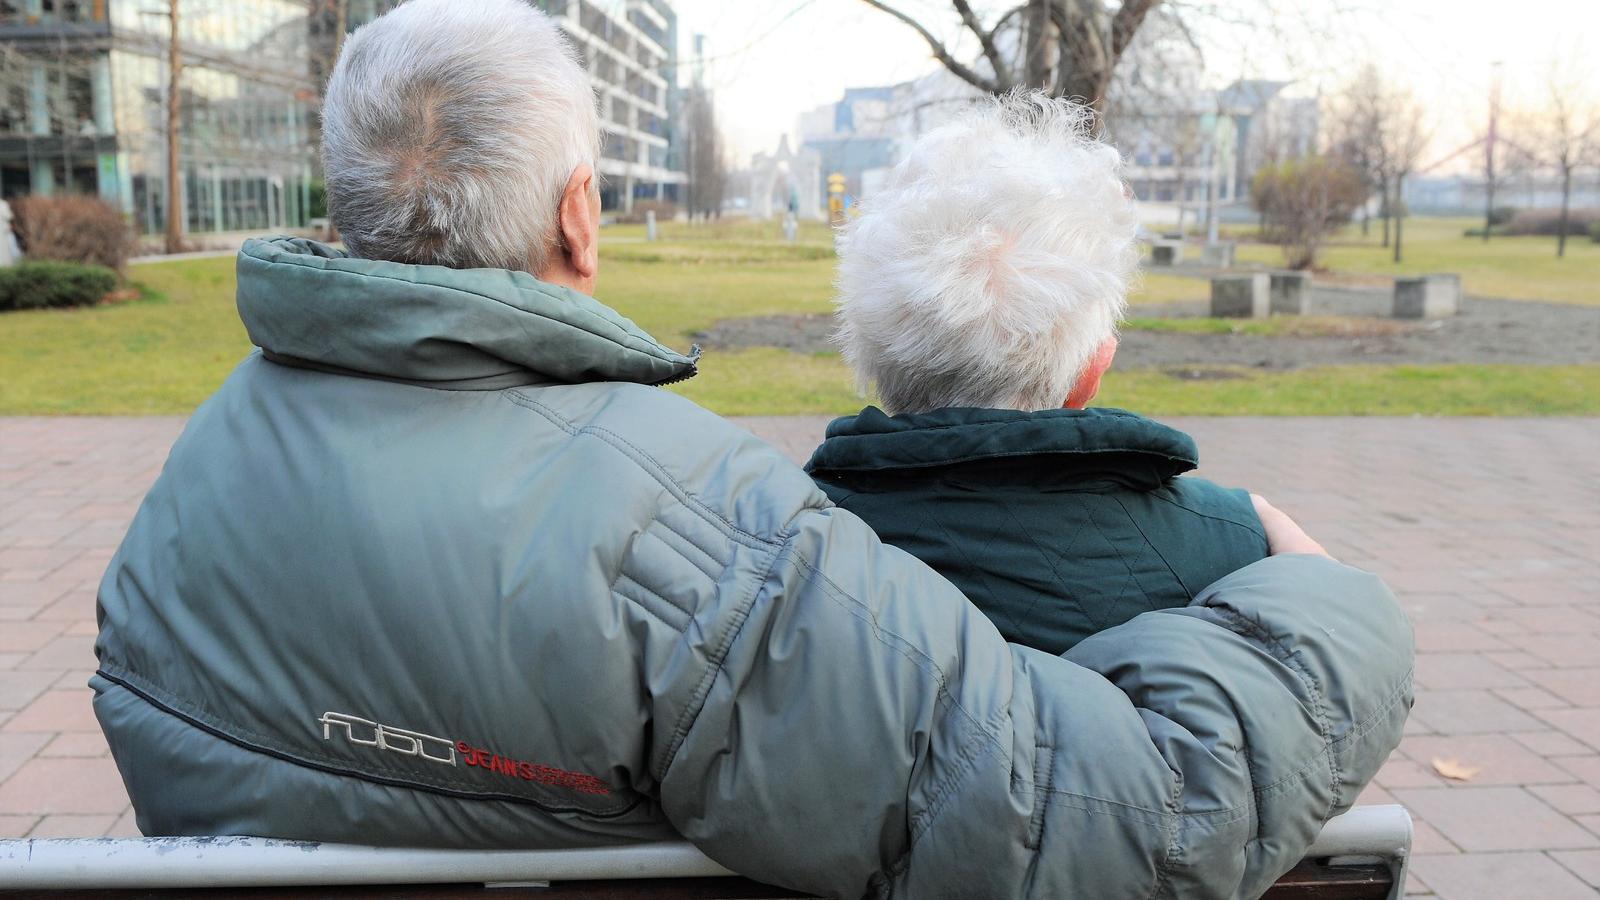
(773, 59)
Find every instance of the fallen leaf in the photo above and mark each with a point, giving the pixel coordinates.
(1454, 769)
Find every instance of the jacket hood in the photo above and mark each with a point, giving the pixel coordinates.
(1137, 450)
(309, 304)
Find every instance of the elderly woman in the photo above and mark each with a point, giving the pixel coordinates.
(979, 294)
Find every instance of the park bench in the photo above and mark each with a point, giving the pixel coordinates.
(1359, 855)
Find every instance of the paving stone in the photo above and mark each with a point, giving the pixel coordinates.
(1585, 767)
(1470, 712)
(1549, 743)
(16, 826)
(1374, 795)
(1495, 818)
(1454, 671)
(1530, 699)
(72, 826)
(66, 652)
(1499, 876)
(125, 826)
(1399, 772)
(1566, 650)
(28, 637)
(1500, 759)
(1457, 637)
(1578, 686)
(57, 786)
(19, 688)
(1583, 863)
(56, 710)
(1516, 660)
(77, 743)
(1571, 799)
(1426, 839)
(1583, 724)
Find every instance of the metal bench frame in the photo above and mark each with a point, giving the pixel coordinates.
(1366, 838)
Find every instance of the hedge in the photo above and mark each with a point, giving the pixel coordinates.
(43, 284)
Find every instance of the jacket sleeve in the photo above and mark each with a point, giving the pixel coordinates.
(867, 732)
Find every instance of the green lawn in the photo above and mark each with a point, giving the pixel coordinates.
(1512, 268)
(168, 352)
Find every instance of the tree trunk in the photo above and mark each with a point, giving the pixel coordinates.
(1399, 214)
(1566, 210)
(1036, 32)
(1488, 207)
(1385, 210)
(175, 209)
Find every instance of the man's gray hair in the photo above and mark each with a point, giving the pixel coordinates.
(993, 264)
(450, 131)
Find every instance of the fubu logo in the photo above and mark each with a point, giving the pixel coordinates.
(367, 733)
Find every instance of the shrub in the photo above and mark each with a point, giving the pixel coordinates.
(1303, 200)
(74, 229)
(38, 285)
(1547, 222)
(1501, 215)
(1594, 232)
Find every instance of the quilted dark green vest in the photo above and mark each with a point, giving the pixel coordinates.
(1057, 524)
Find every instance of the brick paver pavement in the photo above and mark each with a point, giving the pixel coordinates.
(1489, 530)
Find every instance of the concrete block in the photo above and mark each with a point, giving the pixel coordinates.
(1427, 297)
(1219, 255)
(1241, 296)
(1291, 293)
(1166, 253)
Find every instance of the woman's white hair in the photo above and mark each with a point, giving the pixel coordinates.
(449, 132)
(994, 263)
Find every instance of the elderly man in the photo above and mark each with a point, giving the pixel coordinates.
(439, 566)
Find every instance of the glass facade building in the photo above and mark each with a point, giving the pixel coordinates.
(630, 48)
(83, 87)
(84, 108)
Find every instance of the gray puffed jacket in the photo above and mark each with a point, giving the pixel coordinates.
(439, 567)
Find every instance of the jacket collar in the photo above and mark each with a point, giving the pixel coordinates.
(308, 304)
(1129, 447)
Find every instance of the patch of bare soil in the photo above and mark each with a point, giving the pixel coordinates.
(1486, 332)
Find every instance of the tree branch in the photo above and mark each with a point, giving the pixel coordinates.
(1125, 24)
(1002, 75)
(939, 52)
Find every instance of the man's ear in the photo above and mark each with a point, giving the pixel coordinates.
(1088, 383)
(580, 223)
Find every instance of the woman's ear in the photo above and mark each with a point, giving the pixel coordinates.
(1088, 383)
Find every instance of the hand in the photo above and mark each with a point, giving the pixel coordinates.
(1283, 535)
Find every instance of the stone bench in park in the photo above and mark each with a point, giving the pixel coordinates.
(1245, 296)
(1360, 855)
(1166, 253)
(1291, 293)
(1427, 297)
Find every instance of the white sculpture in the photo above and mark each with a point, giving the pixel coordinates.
(786, 182)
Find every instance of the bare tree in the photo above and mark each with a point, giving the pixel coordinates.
(1568, 131)
(1405, 137)
(1379, 130)
(1067, 48)
(1356, 136)
(705, 158)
